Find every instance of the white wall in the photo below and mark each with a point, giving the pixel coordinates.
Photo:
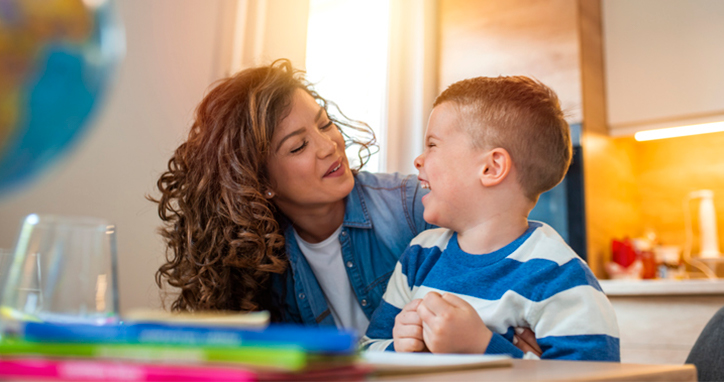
(663, 61)
(170, 61)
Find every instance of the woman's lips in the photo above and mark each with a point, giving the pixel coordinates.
(335, 170)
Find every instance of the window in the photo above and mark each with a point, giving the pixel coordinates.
(347, 61)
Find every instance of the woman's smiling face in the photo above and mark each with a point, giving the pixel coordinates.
(307, 163)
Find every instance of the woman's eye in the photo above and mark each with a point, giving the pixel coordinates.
(298, 149)
(326, 126)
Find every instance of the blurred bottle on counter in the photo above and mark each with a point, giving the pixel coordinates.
(644, 248)
(669, 264)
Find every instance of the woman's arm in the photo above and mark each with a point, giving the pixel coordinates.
(524, 340)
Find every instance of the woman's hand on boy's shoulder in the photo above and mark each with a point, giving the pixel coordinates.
(451, 325)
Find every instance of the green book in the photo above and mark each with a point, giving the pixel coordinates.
(280, 358)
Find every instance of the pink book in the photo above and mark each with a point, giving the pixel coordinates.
(83, 370)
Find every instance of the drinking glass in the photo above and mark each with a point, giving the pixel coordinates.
(63, 270)
(5, 260)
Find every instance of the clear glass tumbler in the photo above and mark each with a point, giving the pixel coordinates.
(5, 261)
(63, 270)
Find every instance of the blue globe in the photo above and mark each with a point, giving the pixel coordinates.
(57, 59)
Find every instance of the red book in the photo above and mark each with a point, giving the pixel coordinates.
(93, 370)
(88, 370)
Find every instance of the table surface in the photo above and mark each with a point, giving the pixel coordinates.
(530, 370)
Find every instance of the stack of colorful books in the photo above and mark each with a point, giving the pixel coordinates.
(170, 350)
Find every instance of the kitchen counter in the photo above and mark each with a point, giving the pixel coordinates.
(659, 320)
(697, 287)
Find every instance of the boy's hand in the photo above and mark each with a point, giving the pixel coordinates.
(407, 333)
(451, 325)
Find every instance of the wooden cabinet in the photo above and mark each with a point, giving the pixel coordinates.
(663, 63)
(513, 37)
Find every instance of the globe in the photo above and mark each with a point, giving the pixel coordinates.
(57, 59)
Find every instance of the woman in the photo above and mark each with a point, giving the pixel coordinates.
(262, 211)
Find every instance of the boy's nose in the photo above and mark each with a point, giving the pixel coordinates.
(418, 162)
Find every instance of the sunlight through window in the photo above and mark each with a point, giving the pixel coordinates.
(347, 43)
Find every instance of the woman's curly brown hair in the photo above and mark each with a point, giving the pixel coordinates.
(223, 237)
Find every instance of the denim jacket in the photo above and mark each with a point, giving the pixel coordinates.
(383, 214)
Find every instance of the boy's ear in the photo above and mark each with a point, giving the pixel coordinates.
(496, 167)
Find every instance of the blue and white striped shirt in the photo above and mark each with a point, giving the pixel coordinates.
(537, 281)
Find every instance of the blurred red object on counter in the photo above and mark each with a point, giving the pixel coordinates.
(623, 252)
(631, 259)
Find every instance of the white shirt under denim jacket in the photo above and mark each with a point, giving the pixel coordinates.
(383, 214)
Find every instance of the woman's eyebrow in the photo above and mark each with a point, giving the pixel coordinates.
(298, 131)
(301, 129)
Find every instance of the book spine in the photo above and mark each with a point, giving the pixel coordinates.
(114, 371)
(314, 340)
(288, 359)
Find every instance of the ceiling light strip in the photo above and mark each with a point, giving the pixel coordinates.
(680, 131)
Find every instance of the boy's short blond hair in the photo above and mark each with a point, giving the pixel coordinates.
(524, 117)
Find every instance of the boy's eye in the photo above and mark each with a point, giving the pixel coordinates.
(298, 149)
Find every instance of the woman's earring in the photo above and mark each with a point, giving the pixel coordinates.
(269, 194)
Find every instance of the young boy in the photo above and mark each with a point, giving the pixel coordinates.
(492, 146)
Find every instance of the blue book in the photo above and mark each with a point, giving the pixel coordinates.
(326, 340)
